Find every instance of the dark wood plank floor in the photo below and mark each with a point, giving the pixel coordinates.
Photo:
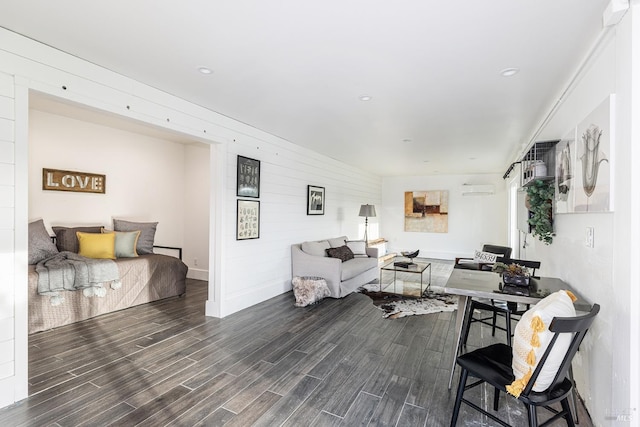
(164, 363)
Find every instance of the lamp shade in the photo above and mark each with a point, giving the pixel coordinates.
(368, 211)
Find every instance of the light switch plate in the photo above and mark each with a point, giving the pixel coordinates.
(589, 237)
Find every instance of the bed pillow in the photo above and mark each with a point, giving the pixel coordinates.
(40, 244)
(147, 233)
(358, 247)
(94, 245)
(125, 244)
(66, 238)
(532, 337)
(343, 253)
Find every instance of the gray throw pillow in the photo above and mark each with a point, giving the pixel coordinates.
(40, 244)
(343, 253)
(67, 240)
(147, 233)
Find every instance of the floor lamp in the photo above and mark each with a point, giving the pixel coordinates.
(367, 211)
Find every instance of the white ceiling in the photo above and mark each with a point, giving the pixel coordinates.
(297, 68)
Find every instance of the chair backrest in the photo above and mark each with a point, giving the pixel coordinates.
(533, 265)
(578, 326)
(503, 251)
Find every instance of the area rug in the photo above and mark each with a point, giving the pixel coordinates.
(395, 306)
(412, 303)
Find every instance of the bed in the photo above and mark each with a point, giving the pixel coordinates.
(143, 278)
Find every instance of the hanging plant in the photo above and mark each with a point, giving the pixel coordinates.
(540, 198)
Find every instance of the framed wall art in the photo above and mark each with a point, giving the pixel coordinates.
(248, 181)
(426, 211)
(315, 200)
(594, 160)
(566, 182)
(248, 220)
(78, 182)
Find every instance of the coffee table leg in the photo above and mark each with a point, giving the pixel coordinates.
(464, 304)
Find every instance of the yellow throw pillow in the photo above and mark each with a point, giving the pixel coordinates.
(94, 245)
(532, 337)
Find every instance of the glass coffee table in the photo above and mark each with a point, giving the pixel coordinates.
(404, 277)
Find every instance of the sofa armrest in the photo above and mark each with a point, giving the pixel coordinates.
(330, 269)
(373, 252)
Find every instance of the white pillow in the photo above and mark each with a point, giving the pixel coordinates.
(358, 247)
(337, 241)
(485, 257)
(532, 337)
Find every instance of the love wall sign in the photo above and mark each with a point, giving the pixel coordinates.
(79, 182)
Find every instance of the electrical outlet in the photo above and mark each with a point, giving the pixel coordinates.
(589, 237)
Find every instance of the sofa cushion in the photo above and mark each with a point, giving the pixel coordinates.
(66, 238)
(343, 253)
(358, 247)
(338, 241)
(356, 266)
(315, 248)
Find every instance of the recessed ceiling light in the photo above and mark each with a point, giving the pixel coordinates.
(365, 98)
(425, 161)
(205, 70)
(508, 72)
(407, 141)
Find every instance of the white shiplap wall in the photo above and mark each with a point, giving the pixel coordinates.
(261, 268)
(242, 272)
(7, 239)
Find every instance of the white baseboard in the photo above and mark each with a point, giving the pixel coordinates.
(240, 301)
(198, 274)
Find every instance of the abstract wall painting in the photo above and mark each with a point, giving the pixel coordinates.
(565, 173)
(426, 211)
(594, 163)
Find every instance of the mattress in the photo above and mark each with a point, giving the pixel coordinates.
(144, 279)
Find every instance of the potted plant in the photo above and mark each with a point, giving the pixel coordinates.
(515, 274)
(540, 202)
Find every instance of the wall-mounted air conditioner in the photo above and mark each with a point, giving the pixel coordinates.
(477, 189)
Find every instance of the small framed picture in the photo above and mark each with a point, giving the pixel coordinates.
(315, 200)
(248, 181)
(248, 220)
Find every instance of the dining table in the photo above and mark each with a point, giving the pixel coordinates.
(468, 284)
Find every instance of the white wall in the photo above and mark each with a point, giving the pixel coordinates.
(241, 273)
(260, 269)
(606, 366)
(145, 176)
(473, 220)
(196, 211)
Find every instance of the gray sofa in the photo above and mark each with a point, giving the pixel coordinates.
(310, 259)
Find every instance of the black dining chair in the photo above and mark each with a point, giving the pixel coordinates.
(492, 364)
(503, 252)
(509, 310)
